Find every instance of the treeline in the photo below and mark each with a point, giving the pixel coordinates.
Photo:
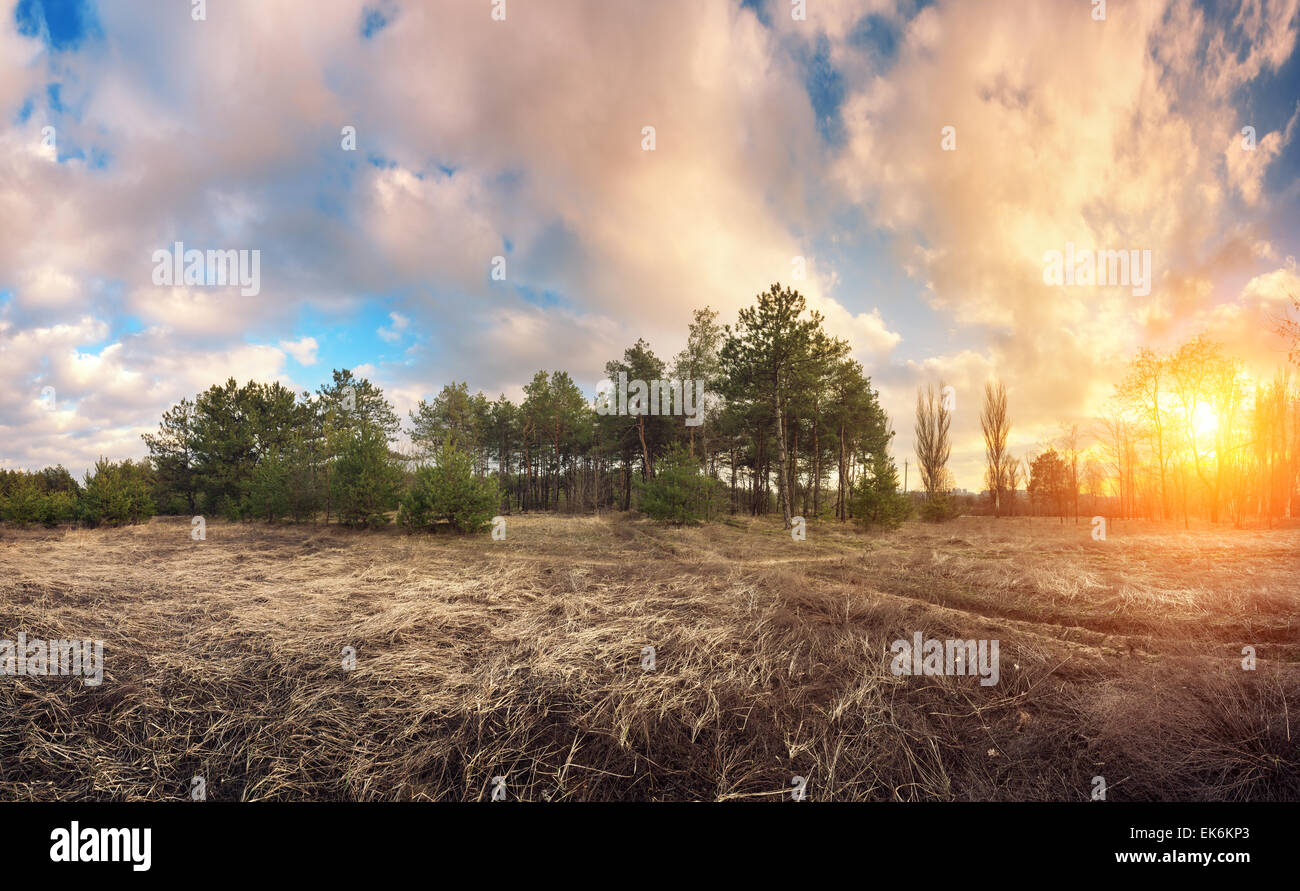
(115, 493)
(791, 425)
(1187, 434)
(1190, 434)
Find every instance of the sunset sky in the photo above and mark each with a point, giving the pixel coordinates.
(774, 138)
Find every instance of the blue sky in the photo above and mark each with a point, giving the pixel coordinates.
(777, 138)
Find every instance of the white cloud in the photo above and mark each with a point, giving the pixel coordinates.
(303, 350)
(522, 139)
(394, 332)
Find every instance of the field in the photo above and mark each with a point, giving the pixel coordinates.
(522, 659)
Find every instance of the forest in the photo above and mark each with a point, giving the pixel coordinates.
(791, 425)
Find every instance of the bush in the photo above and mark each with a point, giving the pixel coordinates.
(48, 496)
(680, 492)
(24, 504)
(365, 482)
(875, 500)
(449, 491)
(939, 508)
(58, 507)
(116, 494)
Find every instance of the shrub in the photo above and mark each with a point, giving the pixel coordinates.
(938, 507)
(875, 500)
(171, 503)
(48, 496)
(116, 494)
(24, 504)
(366, 481)
(58, 507)
(680, 492)
(449, 491)
(416, 512)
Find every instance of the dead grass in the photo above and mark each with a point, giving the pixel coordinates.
(522, 659)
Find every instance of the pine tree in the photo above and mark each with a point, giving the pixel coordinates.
(366, 481)
(450, 492)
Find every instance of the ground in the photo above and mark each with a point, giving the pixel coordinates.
(523, 659)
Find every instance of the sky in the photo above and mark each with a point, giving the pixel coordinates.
(782, 130)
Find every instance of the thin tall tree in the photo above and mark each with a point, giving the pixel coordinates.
(996, 428)
(933, 441)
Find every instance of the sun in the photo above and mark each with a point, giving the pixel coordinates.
(1205, 422)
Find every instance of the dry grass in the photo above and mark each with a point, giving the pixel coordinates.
(522, 658)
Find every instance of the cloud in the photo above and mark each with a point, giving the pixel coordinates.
(521, 139)
(1067, 130)
(399, 325)
(303, 350)
(104, 398)
(1248, 161)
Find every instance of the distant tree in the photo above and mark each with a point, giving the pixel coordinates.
(700, 362)
(1071, 441)
(172, 453)
(1048, 480)
(1289, 329)
(532, 415)
(223, 447)
(351, 411)
(57, 479)
(502, 436)
(269, 495)
(562, 418)
(23, 503)
(1011, 473)
(353, 402)
(996, 427)
(48, 496)
(812, 416)
(1094, 479)
(451, 419)
(852, 409)
(933, 447)
(1144, 391)
(628, 437)
(648, 434)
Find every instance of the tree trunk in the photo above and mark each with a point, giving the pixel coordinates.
(783, 487)
(648, 468)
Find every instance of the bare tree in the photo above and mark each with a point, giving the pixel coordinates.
(1143, 391)
(1070, 441)
(1115, 433)
(1094, 477)
(933, 441)
(1289, 328)
(996, 427)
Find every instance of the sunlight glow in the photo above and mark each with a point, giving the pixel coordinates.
(1205, 422)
